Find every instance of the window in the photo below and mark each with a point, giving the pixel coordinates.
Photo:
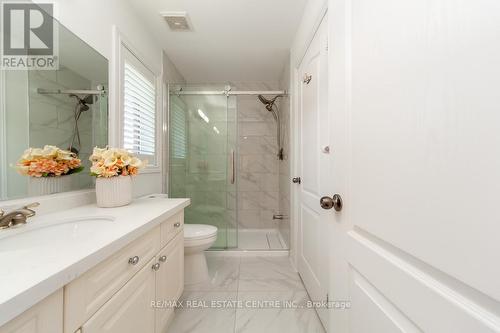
(178, 131)
(139, 108)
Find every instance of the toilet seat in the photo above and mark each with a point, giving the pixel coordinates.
(199, 231)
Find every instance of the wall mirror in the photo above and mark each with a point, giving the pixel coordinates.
(65, 108)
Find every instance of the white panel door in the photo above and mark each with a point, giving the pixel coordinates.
(313, 169)
(415, 100)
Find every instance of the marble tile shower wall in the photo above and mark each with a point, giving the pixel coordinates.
(51, 117)
(258, 168)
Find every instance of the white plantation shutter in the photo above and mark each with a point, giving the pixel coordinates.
(139, 108)
(178, 131)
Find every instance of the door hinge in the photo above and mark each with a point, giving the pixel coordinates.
(307, 78)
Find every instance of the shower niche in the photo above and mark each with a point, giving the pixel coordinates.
(67, 108)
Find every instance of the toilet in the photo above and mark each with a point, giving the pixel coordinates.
(197, 239)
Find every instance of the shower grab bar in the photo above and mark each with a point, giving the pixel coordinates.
(232, 167)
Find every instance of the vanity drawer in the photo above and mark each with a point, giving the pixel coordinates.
(130, 310)
(171, 227)
(85, 295)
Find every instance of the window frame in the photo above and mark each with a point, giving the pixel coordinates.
(123, 46)
(3, 139)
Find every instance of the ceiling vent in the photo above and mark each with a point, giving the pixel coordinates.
(177, 21)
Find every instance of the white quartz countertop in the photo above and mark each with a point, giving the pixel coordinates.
(39, 258)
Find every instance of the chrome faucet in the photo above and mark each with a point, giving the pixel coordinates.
(17, 216)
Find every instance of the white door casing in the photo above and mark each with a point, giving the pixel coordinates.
(3, 139)
(313, 169)
(415, 136)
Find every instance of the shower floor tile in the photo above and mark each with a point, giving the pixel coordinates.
(259, 239)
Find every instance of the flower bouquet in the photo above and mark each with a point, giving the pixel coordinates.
(47, 168)
(113, 168)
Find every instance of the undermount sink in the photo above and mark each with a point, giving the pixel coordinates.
(40, 233)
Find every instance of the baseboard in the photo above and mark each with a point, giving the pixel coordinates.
(247, 253)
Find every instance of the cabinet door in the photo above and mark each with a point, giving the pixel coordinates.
(169, 281)
(87, 294)
(129, 310)
(44, 317)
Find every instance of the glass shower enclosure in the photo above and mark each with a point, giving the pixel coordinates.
(202, 153)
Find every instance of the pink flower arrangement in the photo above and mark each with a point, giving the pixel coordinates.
(49, 161)
(112, 162)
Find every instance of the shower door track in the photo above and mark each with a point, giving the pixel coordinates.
(232, 93)
(42, 91)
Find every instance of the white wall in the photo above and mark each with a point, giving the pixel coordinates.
(170, 72)
(93, 21)
(170, 75)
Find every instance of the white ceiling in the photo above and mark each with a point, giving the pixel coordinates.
(232, 40)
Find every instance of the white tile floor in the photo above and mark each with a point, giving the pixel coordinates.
(260, 239)
(238, 284)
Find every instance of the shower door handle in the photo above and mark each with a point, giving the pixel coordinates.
(233, 171)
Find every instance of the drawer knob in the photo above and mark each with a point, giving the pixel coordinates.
(133, 260)
(163, 258)
(177, 225)
(156, 267)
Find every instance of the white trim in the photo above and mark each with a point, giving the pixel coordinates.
(311, 20)
(313, 16)
(114, 90)
(247, 253)
(116, 97)
(165, 133)
(3, 139)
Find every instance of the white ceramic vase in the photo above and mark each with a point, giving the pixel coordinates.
(48, 185)
(113, 191)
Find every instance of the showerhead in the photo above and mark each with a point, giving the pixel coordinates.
(268, 102)
(264, 100)
(81, 106)
(83, 102)
(89, 99)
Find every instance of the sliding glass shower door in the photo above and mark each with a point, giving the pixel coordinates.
(202, 166)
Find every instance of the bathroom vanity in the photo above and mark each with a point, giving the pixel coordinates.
(91, 269)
